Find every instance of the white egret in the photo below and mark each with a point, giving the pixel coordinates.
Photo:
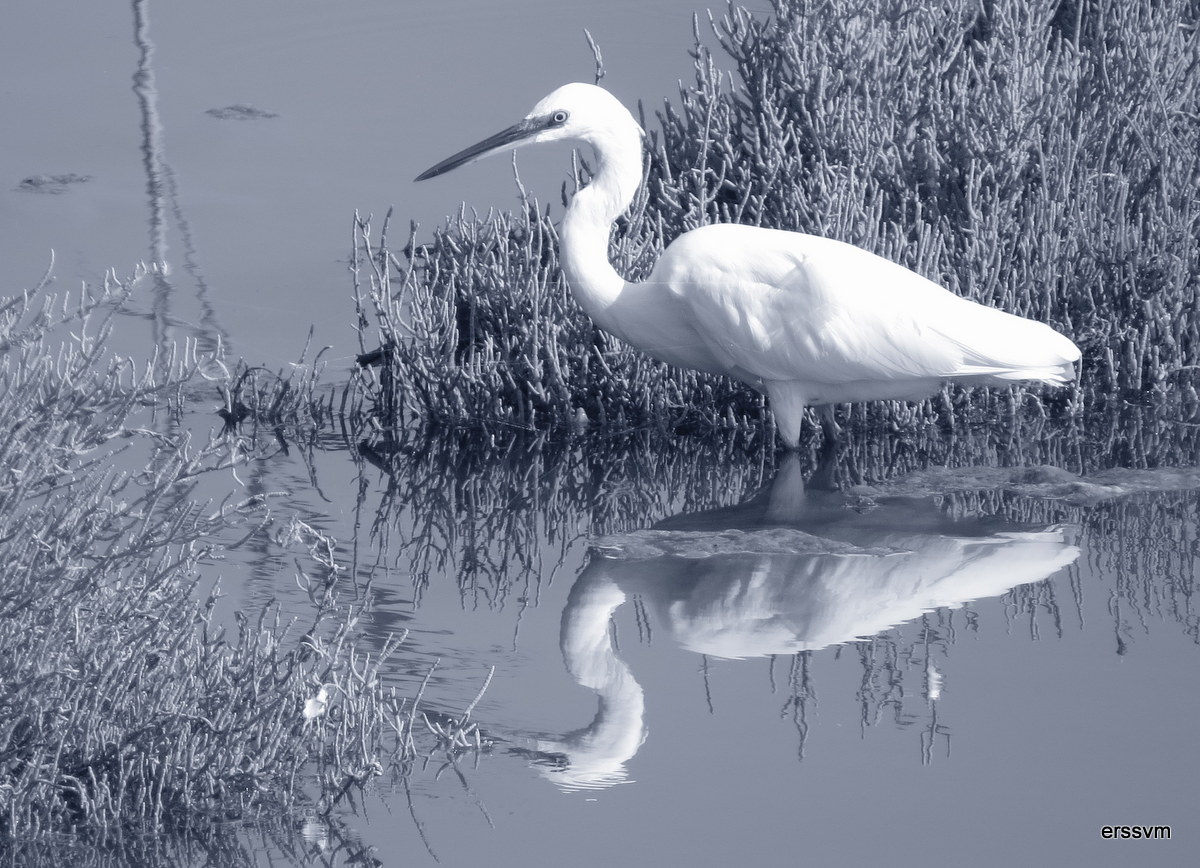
(808, 320)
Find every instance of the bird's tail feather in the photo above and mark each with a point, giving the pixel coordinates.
(1005, 347)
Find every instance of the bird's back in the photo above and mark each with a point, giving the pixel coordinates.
(776, 306)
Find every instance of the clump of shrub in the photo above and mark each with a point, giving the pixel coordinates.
(483, 333)
(127, 698)
(1035, 155)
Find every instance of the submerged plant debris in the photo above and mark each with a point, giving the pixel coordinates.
(51, 184)
(240, 112)
(1038, 481)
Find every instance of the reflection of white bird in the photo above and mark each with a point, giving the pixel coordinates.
(596, 755)
(790, 571)
(780, 590)
(733, 583)
(807, 320)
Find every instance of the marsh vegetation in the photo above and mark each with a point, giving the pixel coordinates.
(1039, 157)
(132, 700)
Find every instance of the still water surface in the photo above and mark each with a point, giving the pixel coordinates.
(700, 660)
(253, 211)
(697, 660)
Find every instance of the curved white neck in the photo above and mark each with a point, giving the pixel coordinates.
(588, 222)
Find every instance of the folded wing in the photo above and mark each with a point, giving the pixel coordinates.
(782, 306)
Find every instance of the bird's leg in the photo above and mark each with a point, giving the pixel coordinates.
(785, 500)
(829, 425)
(822, 478)
(787, 405)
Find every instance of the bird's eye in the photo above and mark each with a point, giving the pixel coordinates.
(560, 117)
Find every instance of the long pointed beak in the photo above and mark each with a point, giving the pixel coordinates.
(514, 136)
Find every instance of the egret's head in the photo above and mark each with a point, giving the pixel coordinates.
(582, 112)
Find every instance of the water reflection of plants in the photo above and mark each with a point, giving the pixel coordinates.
(532, 493)
(1150, 546)
(500, 519)
(277, 839)
(498, 512)
(1139, 554)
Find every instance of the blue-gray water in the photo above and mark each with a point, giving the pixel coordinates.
(968, 668)
(698, 659)
(256, 213)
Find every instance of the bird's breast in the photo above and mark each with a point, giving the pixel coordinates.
(650, 318)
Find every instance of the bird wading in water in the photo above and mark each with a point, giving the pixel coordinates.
(808, 320)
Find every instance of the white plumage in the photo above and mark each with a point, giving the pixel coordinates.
(809, 321)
